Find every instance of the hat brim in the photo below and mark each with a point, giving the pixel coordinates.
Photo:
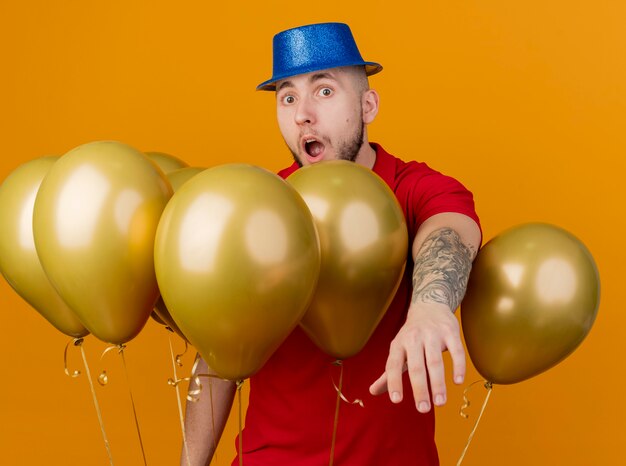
(270, 85)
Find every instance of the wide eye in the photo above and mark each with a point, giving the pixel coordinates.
(288, 99)
(326, 91)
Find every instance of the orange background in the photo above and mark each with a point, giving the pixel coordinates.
(525, 102)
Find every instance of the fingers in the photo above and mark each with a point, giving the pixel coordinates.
(426, 367)
(455, 348)
(393, 371)
(430, 368)
(434, 362)
(423, 358)
(419, 379)
(380, 385)
(419, 370)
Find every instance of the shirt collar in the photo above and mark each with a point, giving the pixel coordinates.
(384, 166)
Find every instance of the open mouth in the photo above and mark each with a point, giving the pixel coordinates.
(313, 147)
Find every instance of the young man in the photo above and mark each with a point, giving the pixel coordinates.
(324, 105)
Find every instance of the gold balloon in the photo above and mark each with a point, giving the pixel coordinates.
(532, 297)
(155, 316)
(94, 223)
(179, 177)
(237, 259)
(18, 258)
(363, 241)
(161, 314)
(166, 162)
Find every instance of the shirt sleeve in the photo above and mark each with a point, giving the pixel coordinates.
(425, 192)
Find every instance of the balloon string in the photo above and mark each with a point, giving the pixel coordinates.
(340, 397)
(466, 404)
(213, 419)
(103, 378)
(239, 385)
(179, 356)
(356, 401)
(75, 342)
(79, 342)
(192, 395)
(132, 401)
(176, 361)
(337, 404)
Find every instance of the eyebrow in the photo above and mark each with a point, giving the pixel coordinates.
(283, 85)
(313, 78)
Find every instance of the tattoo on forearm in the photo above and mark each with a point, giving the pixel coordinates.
(442, 267)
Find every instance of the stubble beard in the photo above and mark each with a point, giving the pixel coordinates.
(348, 150)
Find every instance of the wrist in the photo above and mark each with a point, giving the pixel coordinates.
(418, 308)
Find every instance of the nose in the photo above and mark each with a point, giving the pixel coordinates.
(305, 113)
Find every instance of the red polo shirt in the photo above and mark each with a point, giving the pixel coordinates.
(292, 399)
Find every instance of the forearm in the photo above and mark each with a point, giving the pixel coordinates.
(205, 418)
(441, 269)
(443, 250)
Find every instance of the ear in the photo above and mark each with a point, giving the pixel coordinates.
(369, 103)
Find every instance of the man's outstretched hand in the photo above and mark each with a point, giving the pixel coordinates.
(430, 329)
